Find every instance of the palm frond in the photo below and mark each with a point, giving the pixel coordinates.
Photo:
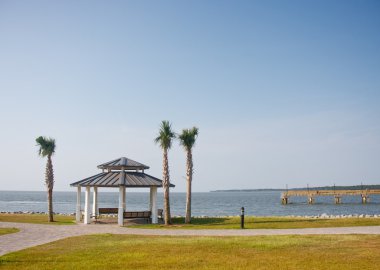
(188, 137)
(46, 146)
(165, 135)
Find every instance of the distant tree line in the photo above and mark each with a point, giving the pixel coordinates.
(357, 187)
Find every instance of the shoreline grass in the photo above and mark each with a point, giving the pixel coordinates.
(262, 223)
(108, 251)
(8, 230)
(214, 222)
(37, 219)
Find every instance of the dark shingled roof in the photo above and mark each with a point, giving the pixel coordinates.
(123, 162)
(120, 178)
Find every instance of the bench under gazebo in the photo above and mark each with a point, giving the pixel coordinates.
(120, 173)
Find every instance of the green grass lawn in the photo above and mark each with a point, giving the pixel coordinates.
(263, 223)
(36, 218)
(164, 252)
(8, 230)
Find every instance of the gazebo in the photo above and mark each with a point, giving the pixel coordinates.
(120, 173)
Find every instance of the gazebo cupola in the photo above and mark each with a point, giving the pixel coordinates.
(120, 173)
(123, 163)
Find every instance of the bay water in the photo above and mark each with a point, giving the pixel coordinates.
(258, 203)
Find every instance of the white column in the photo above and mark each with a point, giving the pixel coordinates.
(78, 213)
(153, 204)
(95, 202)
(87, 206)
(124, 200)
(120, 215)
(150, 200)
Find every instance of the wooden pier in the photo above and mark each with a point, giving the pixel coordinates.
(337, 194)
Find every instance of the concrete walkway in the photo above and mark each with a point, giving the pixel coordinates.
(36, 234)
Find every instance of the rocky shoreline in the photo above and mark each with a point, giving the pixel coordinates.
(35, 213)
(324, 215)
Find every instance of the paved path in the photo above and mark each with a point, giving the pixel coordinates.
(36, 234)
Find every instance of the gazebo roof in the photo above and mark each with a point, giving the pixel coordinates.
(120, 178)
(122, 163)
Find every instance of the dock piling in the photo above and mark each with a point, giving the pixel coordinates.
(284, 200)
(310, 200)
(338, 199)
(365, 199)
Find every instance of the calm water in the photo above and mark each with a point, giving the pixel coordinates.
(259, 203)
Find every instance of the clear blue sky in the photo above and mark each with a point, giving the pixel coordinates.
(283, 92)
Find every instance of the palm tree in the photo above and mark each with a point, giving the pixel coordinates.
(187, 140)
(164, 139)
(47, 149)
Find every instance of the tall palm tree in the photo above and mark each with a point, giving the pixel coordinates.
(164, 139)
(187, 140)
(47, 149)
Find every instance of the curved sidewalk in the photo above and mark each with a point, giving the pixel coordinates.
(36, 234)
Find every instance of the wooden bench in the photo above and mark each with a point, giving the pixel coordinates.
(129, 214)
(105, 211)
(138, 214)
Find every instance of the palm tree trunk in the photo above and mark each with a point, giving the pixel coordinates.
(50, 205)
(189, 179)
(49, 181)
(165, 185)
